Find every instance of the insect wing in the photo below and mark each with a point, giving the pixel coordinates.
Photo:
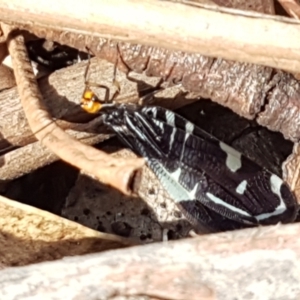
(257, 191)
(143, 136)
(196, 169)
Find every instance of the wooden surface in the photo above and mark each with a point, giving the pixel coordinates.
(210, 30)
(29, 235)
(62, 92)
(260, 263)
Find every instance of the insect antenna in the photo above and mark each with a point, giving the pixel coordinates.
(90, 102)
(146, 94)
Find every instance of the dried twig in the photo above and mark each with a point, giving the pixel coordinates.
(61, 91)
(26, 159)
(216, 32)
(114, 172)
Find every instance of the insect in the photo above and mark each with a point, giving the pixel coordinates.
(89, 100)
(215, 186)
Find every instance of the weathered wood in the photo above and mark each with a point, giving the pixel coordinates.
(292, 7)
(260, 263)
(7, 78)
(214, 31)
(29, 235)
(62, 92)
(116, 173)
(253, 91)
(33, 156)
(150, 216)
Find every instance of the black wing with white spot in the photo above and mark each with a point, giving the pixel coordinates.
(215, 186)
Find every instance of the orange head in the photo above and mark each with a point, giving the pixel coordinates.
(90, 102)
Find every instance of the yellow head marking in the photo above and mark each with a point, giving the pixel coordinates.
(88, 95)
(90, 103)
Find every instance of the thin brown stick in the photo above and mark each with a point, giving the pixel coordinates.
(26, 159)
(115, 172)
(62, 92)
(214, 31)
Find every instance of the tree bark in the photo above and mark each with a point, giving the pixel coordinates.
(62, 92)
(259, 263)
(214, 31)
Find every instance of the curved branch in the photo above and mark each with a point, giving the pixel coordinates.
(117, 173)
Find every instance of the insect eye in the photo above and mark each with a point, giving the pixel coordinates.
(94, 98)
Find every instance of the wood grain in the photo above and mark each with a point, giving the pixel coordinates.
(260, 263)
(210, 30)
